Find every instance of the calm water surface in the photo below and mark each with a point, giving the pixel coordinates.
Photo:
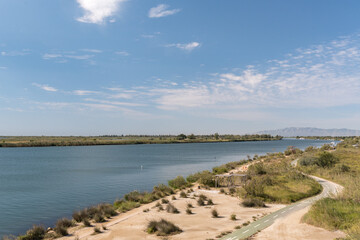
(40, 185)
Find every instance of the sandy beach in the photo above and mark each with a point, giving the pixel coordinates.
(199, 225)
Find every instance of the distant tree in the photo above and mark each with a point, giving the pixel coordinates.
(181, 136)
(192, 136)
(216, 135)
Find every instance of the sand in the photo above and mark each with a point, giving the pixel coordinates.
(199, 225)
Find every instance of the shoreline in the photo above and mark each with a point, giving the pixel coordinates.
(237, 166)
(60, 143)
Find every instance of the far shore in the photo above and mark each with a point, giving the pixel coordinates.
(62, 141)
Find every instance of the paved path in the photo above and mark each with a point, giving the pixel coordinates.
(329, 188)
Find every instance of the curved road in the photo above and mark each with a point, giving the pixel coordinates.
(329, 189)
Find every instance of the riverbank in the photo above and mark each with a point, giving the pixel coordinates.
(270, 179)
(51, 141)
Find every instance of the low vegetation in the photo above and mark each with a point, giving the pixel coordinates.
(341, 166)
(278, 182)
(44, 141)
(162, 228)
(35, 233)
(253, 202)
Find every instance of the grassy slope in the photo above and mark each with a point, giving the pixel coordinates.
(342, 212)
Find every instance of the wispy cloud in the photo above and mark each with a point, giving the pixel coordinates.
(185, 46)
(92, 50)
(79, 57)
(122, 53)
(48, 56)
(162, 10)
(63, 57)
(96, 11)
(3, 68)
(45, 87)
(84, 92)
(23, 52)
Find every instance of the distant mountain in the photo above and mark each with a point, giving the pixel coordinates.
(307, 131)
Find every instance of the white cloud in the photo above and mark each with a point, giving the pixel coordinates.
(3, 68)
(96, 11)
(162, 11)
(45, 87)
(185, 46)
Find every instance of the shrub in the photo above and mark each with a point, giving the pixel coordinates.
(326, 160)
(35, 233)
(99, 218)
(253, 202)
(188, 211)
(86, 222)
(205, 177)
(203, 197)
(257, 169)
(107, 210)
(163, 190)
(173, 198)
(233, 217)
(307, 160)
(134, 196)
(341, 168)
(183, 194)
(232, 190)
(189, 205)
(214, 213)
(61, 231)
(97, 230)
(220, 170)
(222, 190)
(255, 187)
(80, 215)
(162, 227)
(200, 202)
(171, 208)
(62, 225)
(124, 206)
(178, 182)
(164, 201)
(210, 202)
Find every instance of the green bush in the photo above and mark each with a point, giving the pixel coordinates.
(178, 182)
(307, 160)
(124, 206)
(326, 160)
(205, 177)
(220, 170)
(35, 233)
(257, 169)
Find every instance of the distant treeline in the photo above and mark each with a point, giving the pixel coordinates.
(48, 141)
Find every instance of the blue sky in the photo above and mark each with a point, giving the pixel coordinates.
(90, 67)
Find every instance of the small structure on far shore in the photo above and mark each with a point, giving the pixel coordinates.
(230, 180)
